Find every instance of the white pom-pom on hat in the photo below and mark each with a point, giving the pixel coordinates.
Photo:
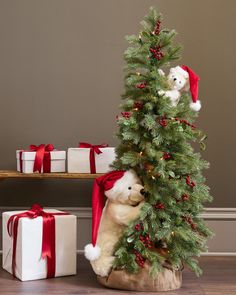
(92, 252)
(195, 106)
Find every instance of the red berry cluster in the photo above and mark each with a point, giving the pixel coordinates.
(156, 52)
(190, 183)
(138, 105)
(185, 122)
(189, 220)
(163, 122)
(185, 197)
(157, 28)
(140, 260)
(138, 226)
(160, 206)
(193, 226)
(126, 115)
(146, 240)
(141, 85)
(177, 200)
(166, 156)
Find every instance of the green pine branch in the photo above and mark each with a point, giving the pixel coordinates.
(146, 133)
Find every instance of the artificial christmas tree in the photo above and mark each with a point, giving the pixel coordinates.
(156, 142)
(155, 131)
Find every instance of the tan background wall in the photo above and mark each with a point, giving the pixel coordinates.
(61, 80)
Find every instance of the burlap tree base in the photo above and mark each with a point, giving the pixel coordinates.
(165, 281)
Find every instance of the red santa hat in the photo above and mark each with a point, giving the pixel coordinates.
(102, 184)
(193, 85)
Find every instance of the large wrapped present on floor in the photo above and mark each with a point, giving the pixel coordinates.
(88, 158)
(39, 243)
(42, 159)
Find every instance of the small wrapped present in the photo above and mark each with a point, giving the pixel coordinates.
(39, 243)
(88, 158)
(42, 159)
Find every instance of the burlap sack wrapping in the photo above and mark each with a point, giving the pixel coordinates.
(142, 281)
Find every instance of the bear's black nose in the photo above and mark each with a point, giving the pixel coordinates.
(142, 191)
(175, 79)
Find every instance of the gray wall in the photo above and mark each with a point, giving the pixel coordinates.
(61, 80)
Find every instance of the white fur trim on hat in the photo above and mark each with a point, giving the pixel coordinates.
(195, 106)
(92, 253)
(181, 71)
(128, 179)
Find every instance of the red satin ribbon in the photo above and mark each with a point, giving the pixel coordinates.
(42, 157)
(21, 161)
(48, 239)
(93, 149)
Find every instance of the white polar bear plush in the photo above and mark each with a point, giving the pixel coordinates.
(125, 196)
(182, 78)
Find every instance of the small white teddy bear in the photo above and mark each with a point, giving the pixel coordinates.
(182, 78)
(125, 196)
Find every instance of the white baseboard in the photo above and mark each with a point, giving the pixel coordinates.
(221, 220)
(219, 214)
(218, 254)
(86, 212)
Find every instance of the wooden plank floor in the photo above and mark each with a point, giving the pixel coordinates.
(219, 279)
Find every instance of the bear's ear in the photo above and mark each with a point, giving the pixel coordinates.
(161, 72)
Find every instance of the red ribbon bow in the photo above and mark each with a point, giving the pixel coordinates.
(93, 149)
(48, 239)
(42, 157)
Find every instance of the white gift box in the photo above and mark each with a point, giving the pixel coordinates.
(79, 160)
(29, 263)
(58, 161)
